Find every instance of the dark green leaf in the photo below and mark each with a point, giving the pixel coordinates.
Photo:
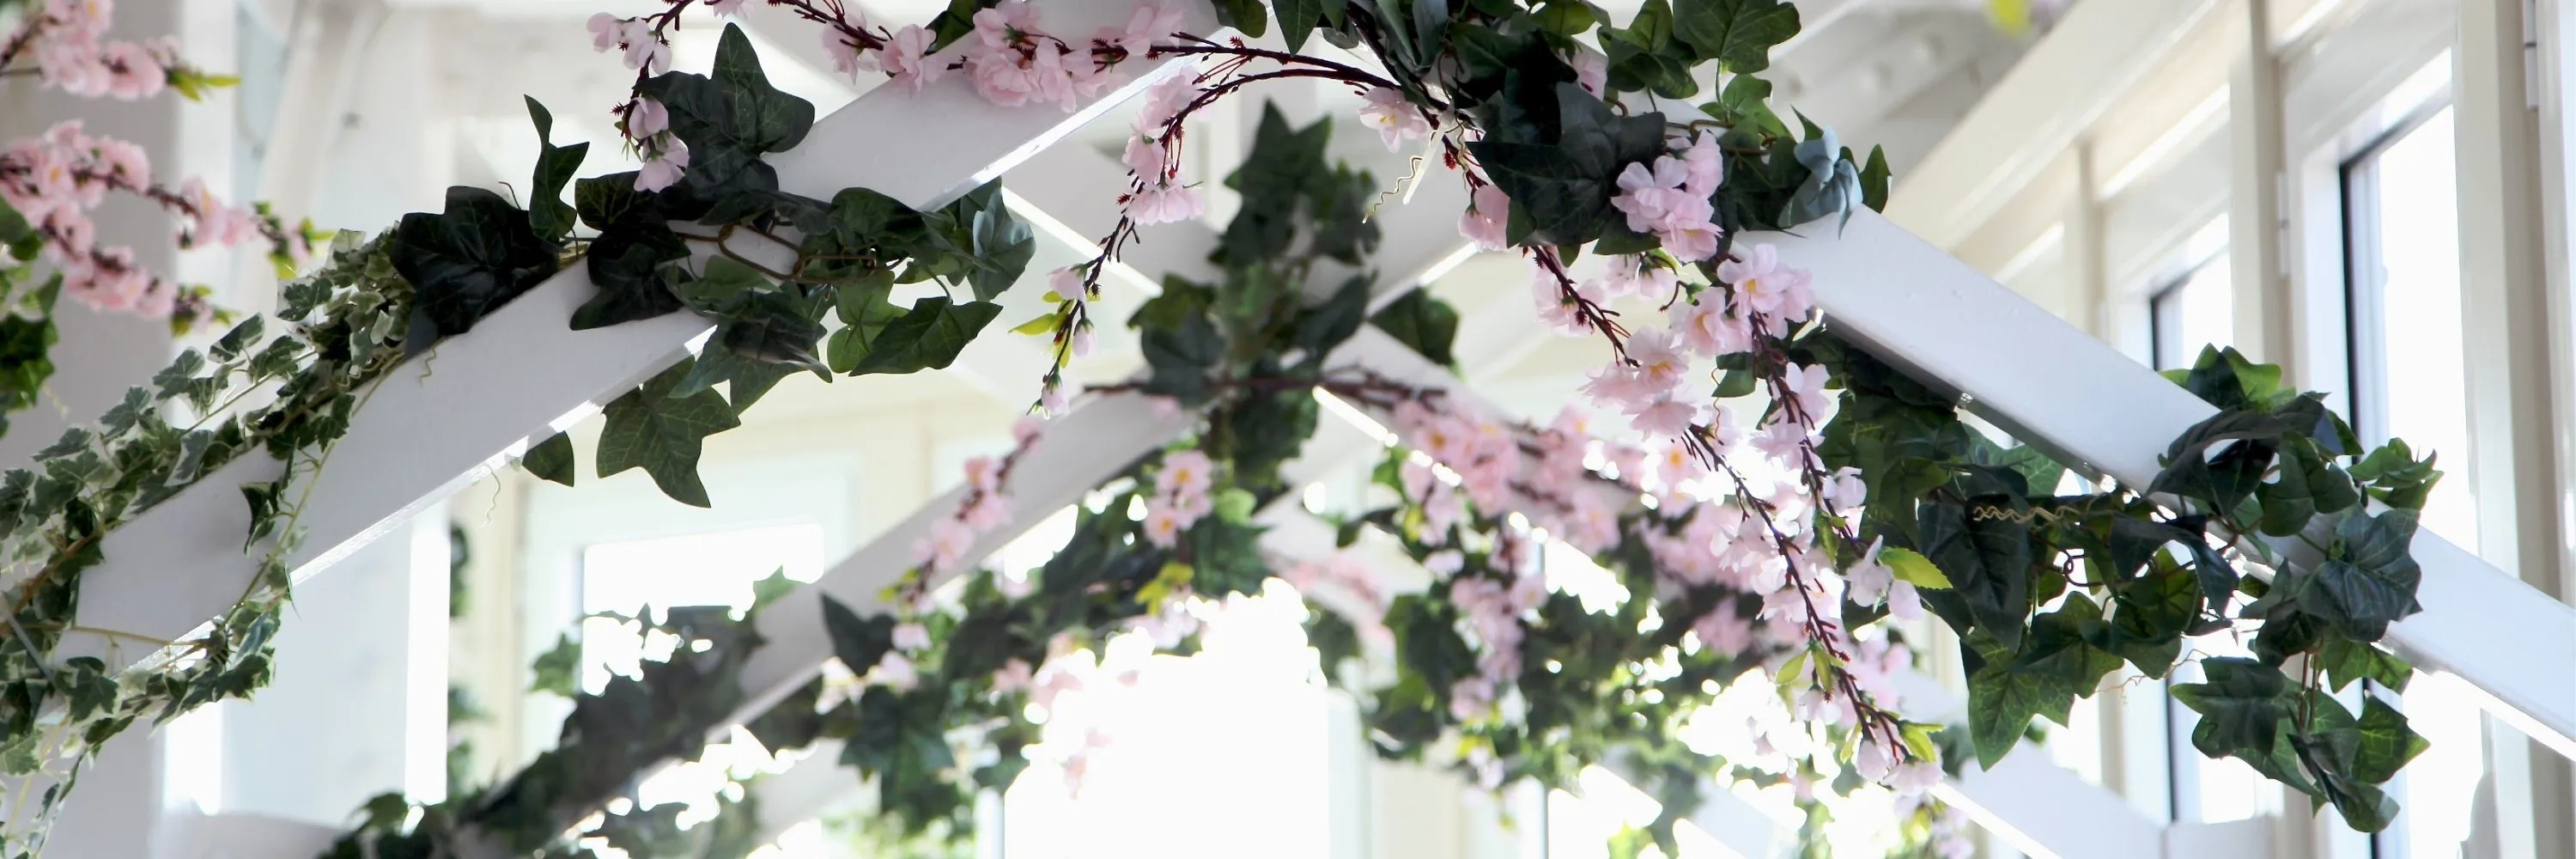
(548, 214)
(551, 459)
(1423, 322)
(1738, 33)
(927, 338)
(466, 262)
(662, 434)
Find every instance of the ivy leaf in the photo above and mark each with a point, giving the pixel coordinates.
(1324, 326)
(1988, 563)
(1002, 244)
(2387, 743)
(792, 723)
(776, 328)
(466, 261)
(551, 459)
(626, 264)
(858, 642)
(728, 122)
(927, 338)
(2346, 661)
(2003, 698)
(2242, 707)
(1875, 177)
(649, 428)
(1423, 322)
(746, 380)
(1738, 33)
(1244, 15)
(1297, 19)
(548, 214)
(2374, 582)
(1913, 568)
(558, 670)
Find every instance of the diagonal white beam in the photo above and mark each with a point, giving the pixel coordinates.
(2101, 412)
(424, 435)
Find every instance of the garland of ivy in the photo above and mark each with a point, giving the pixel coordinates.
(1503, 80)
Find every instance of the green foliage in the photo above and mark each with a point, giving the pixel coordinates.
(551, 459)
(2130, 579)
(467, 261)
(548, 214)
(656, 429)
(1424, 322)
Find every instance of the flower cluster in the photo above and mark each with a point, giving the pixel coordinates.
(54, 181)
(986, 507)
(1012, 62)
(65, 37)
(1182, 496)
(1671, 200)
(1160, 196)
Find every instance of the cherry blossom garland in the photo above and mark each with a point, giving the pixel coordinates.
(55, 180)
(65, 39)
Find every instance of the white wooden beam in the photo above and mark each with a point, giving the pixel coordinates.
(424, 435)
(2101, 412)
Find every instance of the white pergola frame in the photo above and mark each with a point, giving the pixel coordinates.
(172, 569)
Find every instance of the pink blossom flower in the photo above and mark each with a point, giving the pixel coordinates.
(664, 168)
(1167, 205)
(1915, 778)
(1723, 631)
(1185, 474)
(1663, 417)
(73, 234)
(1765, 286)
(1012, 677)
(1705, 328)
(907, 57)
(1471, 698)
(984, 474)
(1555, 309)
(847, 59)
(1162, 525)
(1485, 219)
(1806, 384)
(1395, 119)
(1146, 159)
(947, 544)
(645, 51)
(1868, 580)
(726, 7)
(990, 511)
(74, 64)
(1149, 23)
(1591, 70)
(84, 17)
(1163, 103)
(132, 72)
(1024, 432)
(894, 672)
(1704, 165)
(1444, 563)
(1873, 762)
(127, 164)
(909, 637)
(647, 119)
(606, 30)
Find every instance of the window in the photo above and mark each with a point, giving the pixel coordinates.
(2409, 371)
(2401, 212)
(2196, 310)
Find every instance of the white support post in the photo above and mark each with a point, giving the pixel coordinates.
(522, 368)
(2101, 412)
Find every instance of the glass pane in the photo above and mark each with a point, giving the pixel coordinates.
(2197, 312)
(2423, 387)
